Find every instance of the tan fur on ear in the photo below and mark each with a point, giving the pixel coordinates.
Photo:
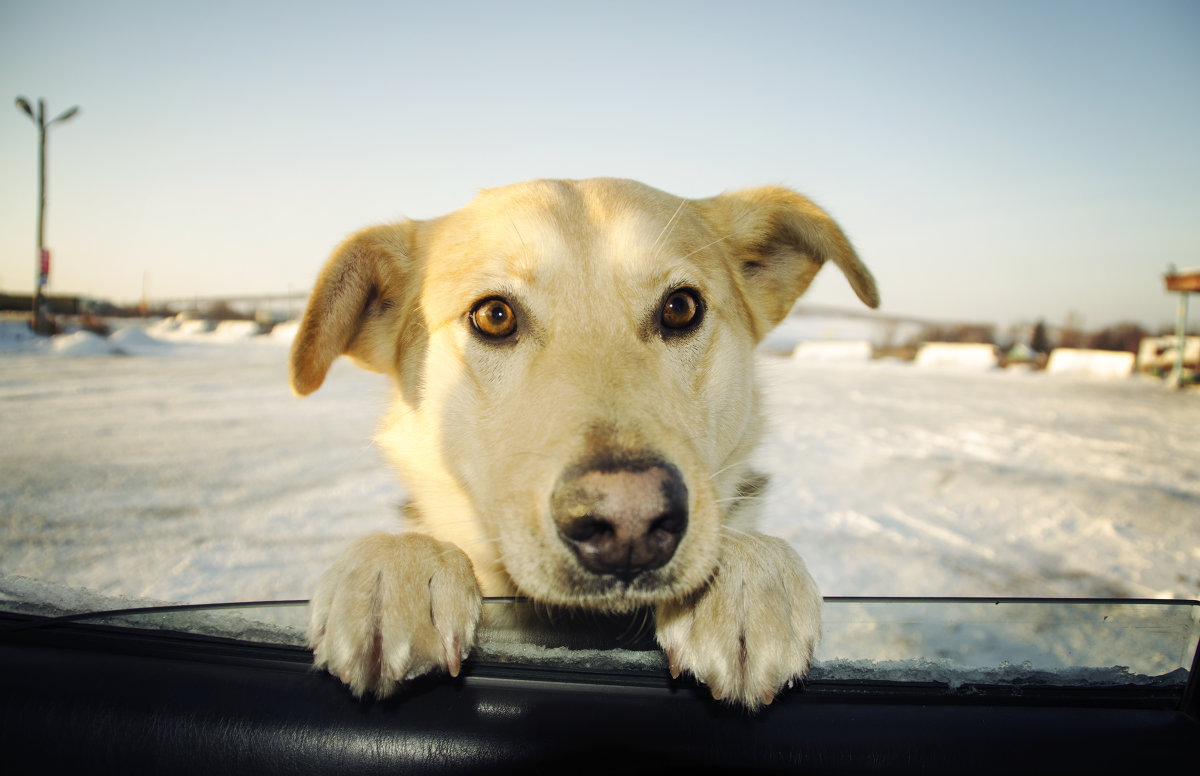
(359, 305)
(781, 240)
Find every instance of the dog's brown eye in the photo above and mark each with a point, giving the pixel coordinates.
(682, 310)
(494, 318)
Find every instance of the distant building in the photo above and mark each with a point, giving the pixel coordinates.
(1159, 353)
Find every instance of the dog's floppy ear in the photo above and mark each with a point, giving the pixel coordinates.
(359, 305)
(780, 239)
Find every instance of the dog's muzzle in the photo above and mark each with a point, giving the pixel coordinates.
(621, 519)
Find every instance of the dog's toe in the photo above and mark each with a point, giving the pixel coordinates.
(752, 630)
(392, 608)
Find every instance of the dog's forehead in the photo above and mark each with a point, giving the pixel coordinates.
(595, 200)
(543, 231)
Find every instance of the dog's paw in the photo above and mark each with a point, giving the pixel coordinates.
(394, 607)
(752, 629)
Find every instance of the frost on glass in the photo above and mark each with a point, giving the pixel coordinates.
(949, 643)
(1010, 642)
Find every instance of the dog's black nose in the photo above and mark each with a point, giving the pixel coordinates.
(621, 520)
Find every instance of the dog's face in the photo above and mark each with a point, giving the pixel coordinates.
(574, 365)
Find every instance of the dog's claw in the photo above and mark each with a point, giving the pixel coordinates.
(454, 657)
(673, 664)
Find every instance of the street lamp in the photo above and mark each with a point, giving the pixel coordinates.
(42, 268)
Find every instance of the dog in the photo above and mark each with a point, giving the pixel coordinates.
(575, 410)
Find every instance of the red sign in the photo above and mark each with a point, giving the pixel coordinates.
(45, 267)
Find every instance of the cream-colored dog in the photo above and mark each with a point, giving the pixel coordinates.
(575, 410)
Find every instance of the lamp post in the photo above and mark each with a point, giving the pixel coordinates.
(42, 269)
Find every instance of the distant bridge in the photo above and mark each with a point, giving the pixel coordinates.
(292, 303)
(212, 301)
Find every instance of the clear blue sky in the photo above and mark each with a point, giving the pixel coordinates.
(992, 161)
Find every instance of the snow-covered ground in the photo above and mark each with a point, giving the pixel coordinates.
(176, 465)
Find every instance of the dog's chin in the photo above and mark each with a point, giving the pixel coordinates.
(580, 589)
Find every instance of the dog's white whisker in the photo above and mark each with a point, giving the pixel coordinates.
(731, 499)
(521, 239)
(709, 245)
(647, 621)
(729, 530)
(636, 627)
(658, 240)
(724, 469)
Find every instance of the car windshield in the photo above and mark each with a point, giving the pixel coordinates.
(1015, 425)
(191, 475)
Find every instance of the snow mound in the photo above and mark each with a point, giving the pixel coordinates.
(187, 328)
(134, 339)
(165, 325)
(957, 355)
(833, 352)
(285, 332)
(1090, 363)
(83, 343)
(195, 326)
(236, 330)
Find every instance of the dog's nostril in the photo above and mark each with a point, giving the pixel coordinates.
(586, 528)
(672, 523)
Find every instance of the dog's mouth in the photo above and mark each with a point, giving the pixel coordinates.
(612, 592)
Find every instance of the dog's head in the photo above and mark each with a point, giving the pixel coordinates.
(574, 366)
